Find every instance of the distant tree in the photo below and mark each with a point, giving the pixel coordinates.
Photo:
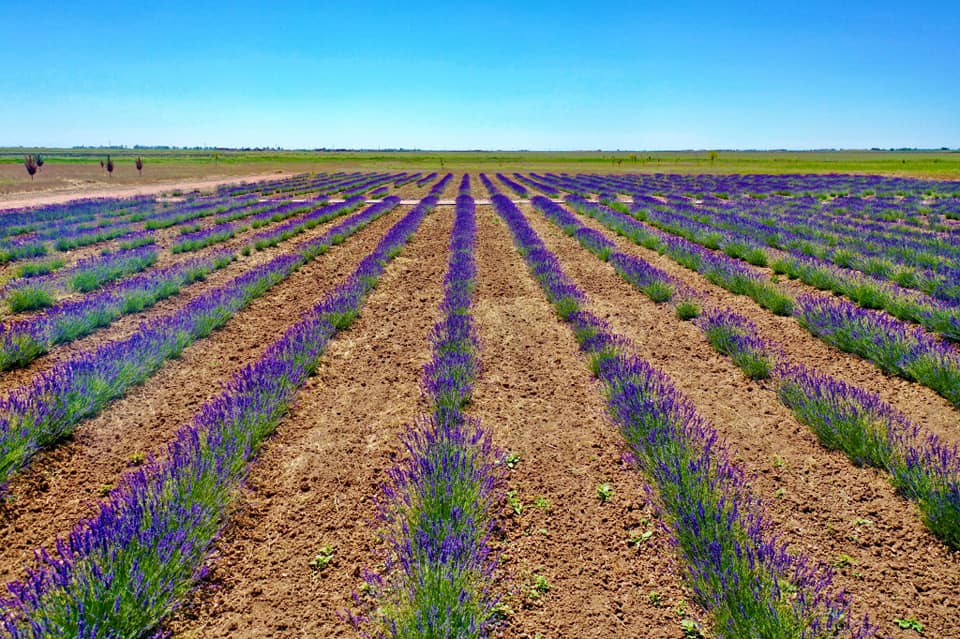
(109, 166)
(30, 163)
(140, 165)
(39, 161)
(102, 165)
(714, 155)
(633, 158)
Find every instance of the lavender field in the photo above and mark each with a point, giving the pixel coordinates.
(504, 404)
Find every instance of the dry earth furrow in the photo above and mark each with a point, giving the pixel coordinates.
(898, 568)
(61, 485)
(316, 478)
(128, 324)
(537, 397)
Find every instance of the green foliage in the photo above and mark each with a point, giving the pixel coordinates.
(605, 492)
(688, 310)
(29, 298)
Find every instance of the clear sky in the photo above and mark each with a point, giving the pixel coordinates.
(494, 75)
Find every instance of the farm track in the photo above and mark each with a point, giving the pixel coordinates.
(904, 569)
(61, 485)
(921, 404)
(314, 480)
(127, 324)
(537, 398)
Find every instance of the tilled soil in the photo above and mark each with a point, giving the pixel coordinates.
(316, 478)
(568, 568)
(536, 396)
(887, 560)
(60, 486)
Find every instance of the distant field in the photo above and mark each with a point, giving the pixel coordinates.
(80, 168)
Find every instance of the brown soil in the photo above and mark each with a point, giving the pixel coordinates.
(536, 396)
(538, 400)
(61, 485)
(899, 569)
(315, 479)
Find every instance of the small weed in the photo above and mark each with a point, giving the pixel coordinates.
(514, 502)
(780, 492)
(604, 492)
(502, 610)
(542, 503)
(104, 489)
(909, 624)
(137, 459)
(691, 629)
(540, 587)
(778, 462)
(636, 540)
(844, 560)
(511, 460)
(862, 522)
(655, 599)
(323, 558)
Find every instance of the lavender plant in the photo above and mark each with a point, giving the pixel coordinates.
(120, 572)
(48, 408)
(438, 508)
(22, 342)
(871, 432)
(748, 581)
(888, 343)
(735, 336)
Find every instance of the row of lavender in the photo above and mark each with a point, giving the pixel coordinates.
(887, 342)
(40, 292)
(912, 258)
(48, 408)
(23, 341)
(120, 572)
(768, 184)
(843, 416)
(733, 563)
(437, 510)
(72, 225)
(883, 287)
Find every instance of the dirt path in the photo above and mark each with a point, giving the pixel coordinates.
(897, 568)
(537, 397)
(60, 195)
(60, 486)
(315, 479)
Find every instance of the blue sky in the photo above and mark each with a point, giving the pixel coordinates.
(499, 75)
